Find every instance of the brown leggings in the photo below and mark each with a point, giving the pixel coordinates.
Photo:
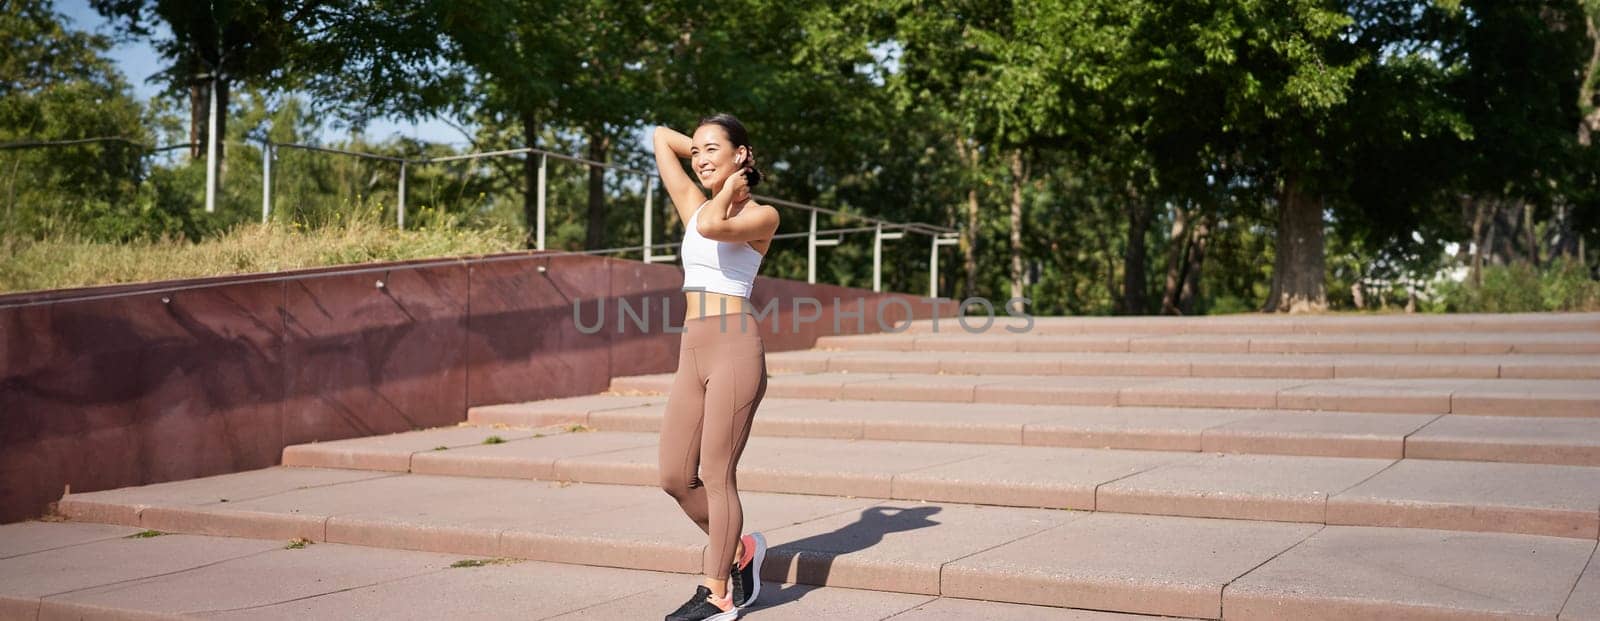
(722, 375)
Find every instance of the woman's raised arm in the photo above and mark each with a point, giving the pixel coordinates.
(671, 147)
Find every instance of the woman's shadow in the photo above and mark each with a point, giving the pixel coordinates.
(813, 556)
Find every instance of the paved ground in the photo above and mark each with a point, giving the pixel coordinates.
(106, 572)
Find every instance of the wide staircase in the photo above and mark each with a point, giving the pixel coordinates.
(1247, 467)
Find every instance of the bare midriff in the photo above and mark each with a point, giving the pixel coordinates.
(713, 304)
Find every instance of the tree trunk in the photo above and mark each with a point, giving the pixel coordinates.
(1558, 235)
(1479, 219)
(1590, 123)
(1017, 179)
(1515, 237)
(1565, 232)
(222, 131)
(1530, 235)
(599, 146)
(1507, 226)
(1139, 214)
(200, 120)
(1175, 253)
(530, 178)
(1108, 255)
(198, 109)
(969, 246)
(1486, 256)
(1192, 265)
(1298, 273)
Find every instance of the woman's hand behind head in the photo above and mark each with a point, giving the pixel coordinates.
(738, 184)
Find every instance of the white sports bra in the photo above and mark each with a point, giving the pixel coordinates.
(719, 267)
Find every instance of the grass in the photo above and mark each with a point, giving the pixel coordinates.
(494, 440)
(480, 562)
(62, 262)
(146, 534)
(297, 543)
(577, 428)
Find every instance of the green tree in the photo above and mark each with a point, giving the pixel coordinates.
(945, 79)
(1058, 81)
(231, 41)
(57, 84)
(586, 66)
(1527, 164)
(1243, 91)
(355, 58)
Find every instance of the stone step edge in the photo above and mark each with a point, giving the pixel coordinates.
(1331, 507)
(1292, 369)
(1013, 390)
(1533, 323)
(1213, 439)
(795, 568)
(1233, 344)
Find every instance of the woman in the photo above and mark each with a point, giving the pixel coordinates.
(722, 365)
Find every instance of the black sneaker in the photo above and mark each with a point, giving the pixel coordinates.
(700, 608)
(745, 579)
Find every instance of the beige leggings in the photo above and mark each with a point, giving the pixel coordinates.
(722, 375)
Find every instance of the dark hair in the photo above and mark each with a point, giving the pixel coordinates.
(739, 138)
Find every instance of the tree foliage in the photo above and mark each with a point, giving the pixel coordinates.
(1099, 156)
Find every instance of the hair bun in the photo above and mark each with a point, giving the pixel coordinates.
(753, 177)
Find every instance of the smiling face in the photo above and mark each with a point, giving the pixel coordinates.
(713, 156)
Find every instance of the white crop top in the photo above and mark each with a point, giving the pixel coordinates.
(716, 266)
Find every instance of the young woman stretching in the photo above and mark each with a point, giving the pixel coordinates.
(722, 365)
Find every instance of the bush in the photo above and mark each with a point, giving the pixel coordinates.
(1567, 285)
(1561, 285)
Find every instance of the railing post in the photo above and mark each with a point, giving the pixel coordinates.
(539, 239)
(266, 181)
(400, 214)
(877, 253)
(649, 195)
(211, 149)
(877, 258)
(933, 261)
(811, 250)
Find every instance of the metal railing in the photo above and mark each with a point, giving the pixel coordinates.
(33, 144)
(883, 230)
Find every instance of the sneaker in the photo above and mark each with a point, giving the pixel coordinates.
(702, 607)
(745, 579)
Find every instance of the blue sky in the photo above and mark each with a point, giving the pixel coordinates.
(138, 61)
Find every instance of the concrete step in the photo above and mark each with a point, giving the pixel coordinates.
(1505, 397)
(1487, 497)
(1254, 323)
(1565, 441)
(1179, 566)
(77, 570)
(994, 340)
(1312, 366)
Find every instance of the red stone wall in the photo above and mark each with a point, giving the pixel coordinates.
(109, 387)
